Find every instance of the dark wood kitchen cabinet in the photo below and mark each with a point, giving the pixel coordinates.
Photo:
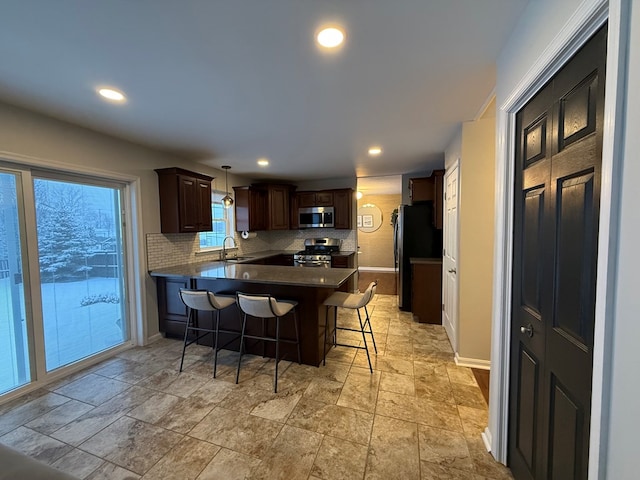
(429, 189)
(172, 312)
(343, 206)
(426, 290)
(262, 207)
(314, 199)
(185, 201)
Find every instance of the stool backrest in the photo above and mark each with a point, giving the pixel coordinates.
(261, 306)
(199, 299)
(369, 293)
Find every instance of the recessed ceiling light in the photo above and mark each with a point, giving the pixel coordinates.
(112, 94)
(330, 37)
(375, 151)
(263, 162)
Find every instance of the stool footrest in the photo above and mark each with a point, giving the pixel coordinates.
(351, 346)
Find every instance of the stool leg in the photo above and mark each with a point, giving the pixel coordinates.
(335, 326)
(370, 329)
(295, 324)
(264, 344)
(215, 345)
(275, 381)
(244, 324)
(366, 349)
(186, 332)
(324, 345)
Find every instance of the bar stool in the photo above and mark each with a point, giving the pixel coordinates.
(354, 301)
(205, 301)
(265, 307)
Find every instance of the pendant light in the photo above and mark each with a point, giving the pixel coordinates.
(227, 201)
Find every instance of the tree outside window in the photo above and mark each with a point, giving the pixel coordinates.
(222, 224)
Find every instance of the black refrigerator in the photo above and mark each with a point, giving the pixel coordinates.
(415, 236)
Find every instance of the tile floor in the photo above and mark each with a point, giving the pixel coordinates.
(418, 416)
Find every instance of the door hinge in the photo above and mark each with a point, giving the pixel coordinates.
(443, 307)
(444, 252)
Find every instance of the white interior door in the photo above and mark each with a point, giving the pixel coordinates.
(450, 256)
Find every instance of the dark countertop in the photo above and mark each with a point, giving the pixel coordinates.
(296, 276)
(428, 261)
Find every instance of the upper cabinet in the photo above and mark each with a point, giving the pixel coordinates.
(263, 207)
(343, 206)
(429, 189)
(185, 201)
(315, 199)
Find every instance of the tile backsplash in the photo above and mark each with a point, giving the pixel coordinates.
(168, 250)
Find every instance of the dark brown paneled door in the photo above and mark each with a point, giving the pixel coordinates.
(557, 201)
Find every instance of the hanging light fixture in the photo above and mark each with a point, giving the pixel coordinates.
(227, 201)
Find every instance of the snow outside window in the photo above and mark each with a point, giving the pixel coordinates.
(222, 224)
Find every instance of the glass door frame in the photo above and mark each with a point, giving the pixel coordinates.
(26, 169)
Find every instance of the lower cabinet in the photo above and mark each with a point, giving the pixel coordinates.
(345, 261)
(171, 311)
(426, 294)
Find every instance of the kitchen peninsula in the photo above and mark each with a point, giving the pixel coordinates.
(308, 286)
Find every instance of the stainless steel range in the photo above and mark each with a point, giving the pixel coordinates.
(317, 252)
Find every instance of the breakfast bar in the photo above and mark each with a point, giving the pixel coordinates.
(308, 286)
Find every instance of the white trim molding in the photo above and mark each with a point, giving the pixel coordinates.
(472, 362)
(588, 18)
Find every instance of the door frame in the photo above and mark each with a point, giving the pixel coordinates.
(135, 258)
(586, 20)
(454, 341)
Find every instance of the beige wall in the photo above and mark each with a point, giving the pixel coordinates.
(474, 145)
(475, 255)
(376, 248)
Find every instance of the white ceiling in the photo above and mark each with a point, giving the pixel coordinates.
(228, 81)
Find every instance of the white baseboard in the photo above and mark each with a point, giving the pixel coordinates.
(486, 438)
(153, 338)
(377, 269)
(472, 363)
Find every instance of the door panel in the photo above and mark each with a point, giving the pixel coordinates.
(557, 185)
(449, 270)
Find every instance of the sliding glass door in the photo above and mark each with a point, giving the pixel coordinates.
(82, 281)
(63, 291)
(14, 350)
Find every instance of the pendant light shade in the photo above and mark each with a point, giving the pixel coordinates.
(227, 201)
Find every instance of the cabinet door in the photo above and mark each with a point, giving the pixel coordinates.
(171, 311)
(205, 223)
(324, 199)
(342, 204)
(278, 198)
(258, 211)
(421, 189)
(306, 199)
(189, 203)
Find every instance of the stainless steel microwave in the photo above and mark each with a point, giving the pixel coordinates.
(316, 217)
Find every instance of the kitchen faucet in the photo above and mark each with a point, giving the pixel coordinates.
(224, 248)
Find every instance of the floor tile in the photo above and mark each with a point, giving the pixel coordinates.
(181, 384)
(474, 420)
(93, 389)
(290, 456)
(59, 417)
(155, 408)
(393, 452)
(360, 390)
(35, 445)
(397, 383)
(339, 459)
(485, 464)
(325, 391)
(438, 414)
(22, 413)
(229, 465)
(334, 420)
(185, 461)
(132, 444)
(469, 396)
(78, 463)
(109, 471)
(445, 448)
(461, 375)
(237, 431)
